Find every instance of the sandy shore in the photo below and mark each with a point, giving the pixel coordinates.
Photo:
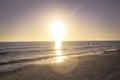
(104, 66)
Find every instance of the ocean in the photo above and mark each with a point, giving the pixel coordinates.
(15, 55)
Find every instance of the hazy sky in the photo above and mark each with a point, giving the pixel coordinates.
(30, 20)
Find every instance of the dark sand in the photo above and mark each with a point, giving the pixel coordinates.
(104, 66)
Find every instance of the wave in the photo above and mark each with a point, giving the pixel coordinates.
(46, 57)
(6, 51)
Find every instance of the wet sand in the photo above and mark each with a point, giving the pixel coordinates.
(104, 66)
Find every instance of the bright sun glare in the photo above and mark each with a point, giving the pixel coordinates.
(58, 31)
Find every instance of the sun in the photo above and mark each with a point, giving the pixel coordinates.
(58, 30)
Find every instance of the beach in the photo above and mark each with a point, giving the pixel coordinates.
(104, 66)
(59, 39)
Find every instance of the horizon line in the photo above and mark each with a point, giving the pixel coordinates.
(62, 41)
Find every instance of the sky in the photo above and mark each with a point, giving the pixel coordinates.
(30, 20)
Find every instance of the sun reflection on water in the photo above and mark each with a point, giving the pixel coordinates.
(58, 52)
(57, 44)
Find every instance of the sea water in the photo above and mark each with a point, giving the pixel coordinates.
(14, 55)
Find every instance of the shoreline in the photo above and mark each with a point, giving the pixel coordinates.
(95, 67)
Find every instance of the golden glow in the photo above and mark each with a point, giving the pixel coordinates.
(58, 52)
(58, 31)
(60, 59)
